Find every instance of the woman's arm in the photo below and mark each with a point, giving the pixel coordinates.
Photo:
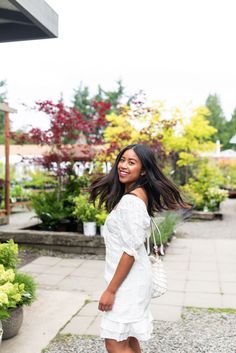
(124, 266)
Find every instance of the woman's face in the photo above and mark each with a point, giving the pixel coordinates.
(129, 168)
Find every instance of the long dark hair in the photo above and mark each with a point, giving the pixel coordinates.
(162, 193)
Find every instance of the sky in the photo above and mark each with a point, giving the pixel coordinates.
(176, 51)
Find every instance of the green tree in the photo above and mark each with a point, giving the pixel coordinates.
(231, 130)
(217, 119)
(190, 137)
(94, 108)
(83, 100)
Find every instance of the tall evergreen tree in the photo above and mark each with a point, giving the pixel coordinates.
(217, 119)
(94, 108)
(231, 130)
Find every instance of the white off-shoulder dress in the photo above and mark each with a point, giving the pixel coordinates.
(125, 230)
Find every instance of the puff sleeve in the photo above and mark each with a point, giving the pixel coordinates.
(134, 223)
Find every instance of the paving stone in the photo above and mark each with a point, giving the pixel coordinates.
(43, 319)
(176, 258)
(87, 272)
(177, 275)
(59, 270)
(202, 276)
(180, 266)
(46, 260)
(203, 258)
(166, 312)
(229, 301)
(200, 266)
(203, 300)
(227, 276)
(94, 328)
(96, 294)
(203, 287)
(74, 263)
(170, 298)
(49, 279)
(175, 285)
(78, 325)
(229, 259)
(227, 267)
(83, 284)
(34, 268)
(228, 287)
(90, 309)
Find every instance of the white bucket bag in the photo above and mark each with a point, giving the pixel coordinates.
(159, 276)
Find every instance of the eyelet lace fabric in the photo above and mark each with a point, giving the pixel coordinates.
(125, 230)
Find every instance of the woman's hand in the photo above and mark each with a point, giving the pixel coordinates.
(106, 301)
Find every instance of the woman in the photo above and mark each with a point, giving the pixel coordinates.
(132, 192)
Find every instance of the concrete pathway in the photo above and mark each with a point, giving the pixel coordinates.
(201, 273)
(213, 229)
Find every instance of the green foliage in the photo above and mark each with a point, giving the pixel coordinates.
(101, 217)
(40, 180)
(30, 287)
(73, 188)
(166, 226)
(225, 129)
(84, 211)
(83, 100)
(9, 254)
(10, 293)
(203, 188)
(229, 172)
(12, 171)
(213, 197)
(54, 207)
(49, 208)
(18, 192)
(16, 288)
(75, 184)
(230, 131)
(216, 117)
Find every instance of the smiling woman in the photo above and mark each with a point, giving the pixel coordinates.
(125, 302)
(129, 168)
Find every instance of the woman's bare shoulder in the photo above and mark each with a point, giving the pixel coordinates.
(139, 192)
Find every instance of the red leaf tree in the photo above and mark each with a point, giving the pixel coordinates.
(66, 126)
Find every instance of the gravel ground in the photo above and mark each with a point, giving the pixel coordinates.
(199, 331)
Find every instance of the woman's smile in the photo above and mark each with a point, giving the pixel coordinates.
(122, 173)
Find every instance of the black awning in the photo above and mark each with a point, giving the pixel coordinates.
(27, 20)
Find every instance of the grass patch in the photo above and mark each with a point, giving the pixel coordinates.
(210, 310)
(223, 310)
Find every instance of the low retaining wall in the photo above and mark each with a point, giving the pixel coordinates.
(208, 216)
(63, 241)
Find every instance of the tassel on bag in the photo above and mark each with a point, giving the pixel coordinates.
(159, 276)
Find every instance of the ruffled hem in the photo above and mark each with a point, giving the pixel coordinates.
(142, 330)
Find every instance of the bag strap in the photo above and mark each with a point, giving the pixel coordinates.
(154, 239)
(153, 235)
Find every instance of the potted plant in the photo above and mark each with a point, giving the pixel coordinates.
(100, 220)
(86, 212)
(49, 208)
(16, 290)
(213, 197)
